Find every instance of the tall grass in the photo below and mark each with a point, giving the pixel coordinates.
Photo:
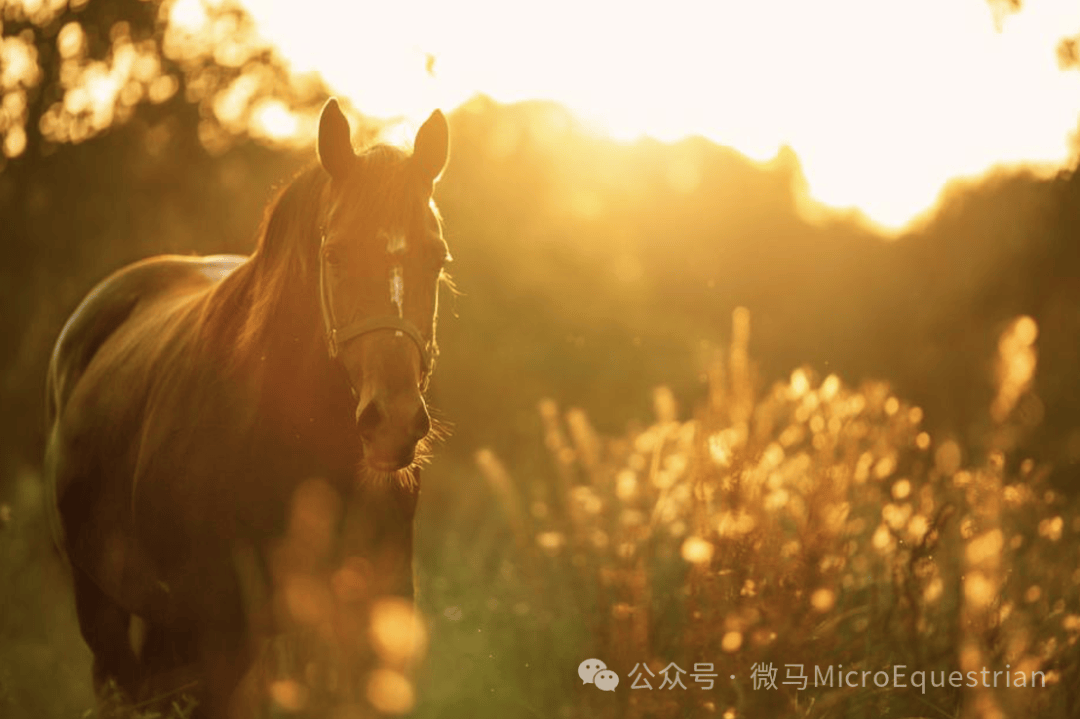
(809, 527)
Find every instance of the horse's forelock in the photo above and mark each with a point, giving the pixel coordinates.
(380, 181)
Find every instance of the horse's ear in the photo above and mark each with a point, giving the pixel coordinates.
(431, 147)
(335, 144)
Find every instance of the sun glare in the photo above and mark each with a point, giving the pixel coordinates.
(273, 119)
(884, 103)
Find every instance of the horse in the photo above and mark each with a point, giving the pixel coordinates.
(234, 443)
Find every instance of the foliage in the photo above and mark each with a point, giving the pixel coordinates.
(73, 70)
(817, 526)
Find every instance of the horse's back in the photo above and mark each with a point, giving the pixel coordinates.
(113, 301)
(129, 301)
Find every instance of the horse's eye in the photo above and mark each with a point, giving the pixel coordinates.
(332, 257)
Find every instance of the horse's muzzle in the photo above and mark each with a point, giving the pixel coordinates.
(391, 428)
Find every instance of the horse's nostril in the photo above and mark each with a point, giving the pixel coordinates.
(368, 418)
(394, 422)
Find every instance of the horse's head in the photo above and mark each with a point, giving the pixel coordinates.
(380, 266)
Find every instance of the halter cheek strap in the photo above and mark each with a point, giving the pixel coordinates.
(337, 338)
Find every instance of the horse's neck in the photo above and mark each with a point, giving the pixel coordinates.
(299, 360)
(281, 352)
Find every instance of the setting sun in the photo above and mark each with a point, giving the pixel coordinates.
(884, 103)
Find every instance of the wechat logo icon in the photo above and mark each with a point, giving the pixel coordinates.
(595, 672)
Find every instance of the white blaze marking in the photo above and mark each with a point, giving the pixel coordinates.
(395, 242)
(395, 245)
(397, 289)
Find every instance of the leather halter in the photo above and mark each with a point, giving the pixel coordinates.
(338, 337)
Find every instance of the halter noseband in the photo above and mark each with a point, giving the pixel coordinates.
(336, 337)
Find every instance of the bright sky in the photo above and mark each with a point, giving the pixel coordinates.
(883, 101)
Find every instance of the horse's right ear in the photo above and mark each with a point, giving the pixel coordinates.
(335, 142)
(431, 146)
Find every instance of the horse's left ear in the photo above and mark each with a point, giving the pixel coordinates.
(431, 146)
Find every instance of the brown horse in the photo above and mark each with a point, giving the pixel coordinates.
(233, 444)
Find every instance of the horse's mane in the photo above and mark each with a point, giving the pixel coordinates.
(287, 245)
(241, 308)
